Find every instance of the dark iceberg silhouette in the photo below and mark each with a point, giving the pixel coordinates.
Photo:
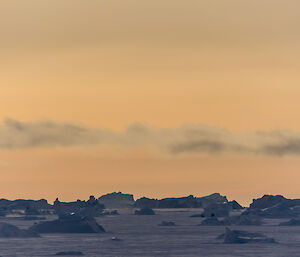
(69, 224)
(106, 213)
(234, 205)
(116, 239)
(167, 223)
(90, 208)
(280, 210)
(244, 220)
(8, 230)
(144, 211)
(198, 215)
(242, 237)
(268, 201)
(117, 200)
(183, 202)
(73, 253)
(238, 220)
(292, 222)
(30, 207)
(273, 207)
(213, 221)
(217, 209)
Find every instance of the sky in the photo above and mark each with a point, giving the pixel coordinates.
(157, 98)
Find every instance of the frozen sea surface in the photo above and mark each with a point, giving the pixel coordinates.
(142, 237)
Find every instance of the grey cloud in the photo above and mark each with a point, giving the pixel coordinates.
(15, 134)
(290, 146)
(199, 146)
(184, 139)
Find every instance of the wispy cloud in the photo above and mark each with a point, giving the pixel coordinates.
(184, 139)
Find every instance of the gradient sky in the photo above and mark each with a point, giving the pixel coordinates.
(230, 65)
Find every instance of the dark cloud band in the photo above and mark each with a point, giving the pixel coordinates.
(185, 139)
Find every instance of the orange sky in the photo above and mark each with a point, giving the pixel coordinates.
(107, 64)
